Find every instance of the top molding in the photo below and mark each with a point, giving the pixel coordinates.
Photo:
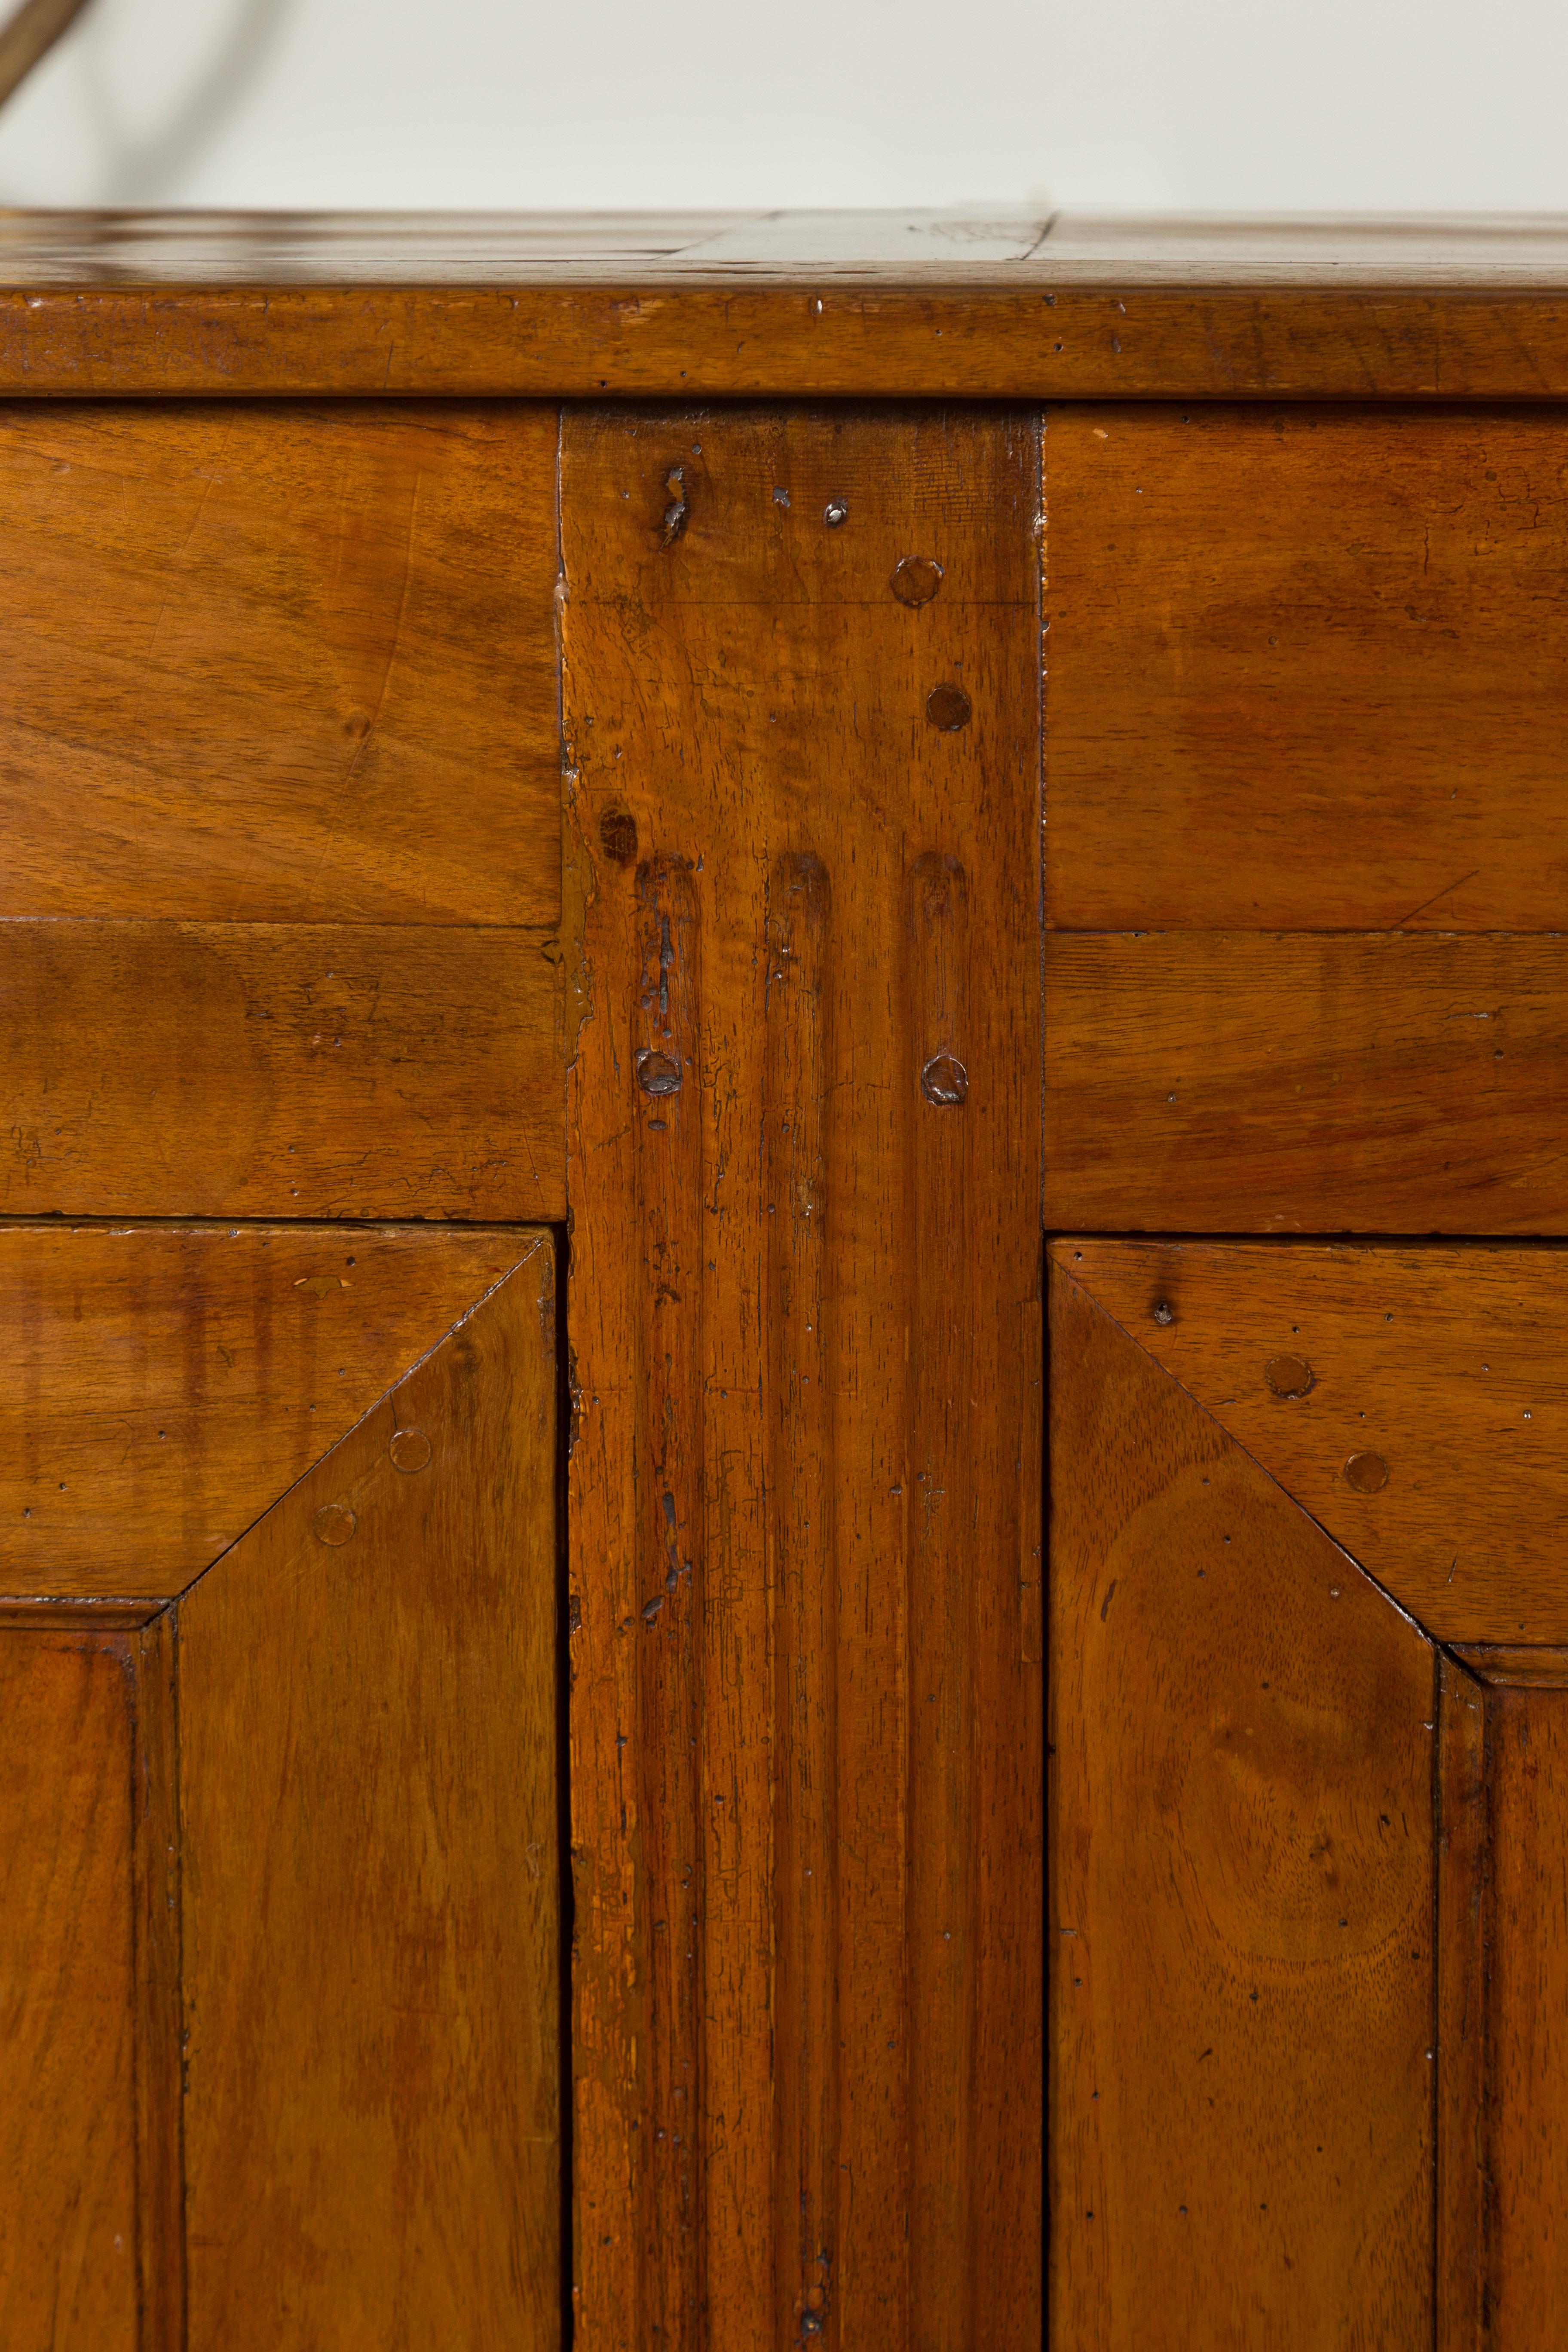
(1024, 305)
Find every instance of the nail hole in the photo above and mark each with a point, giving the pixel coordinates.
(618, 836)
(944, 1079)
(917, 580)
(657, 1073)
(947, 707)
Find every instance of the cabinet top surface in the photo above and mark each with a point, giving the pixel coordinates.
(963, 247)
(966, 302)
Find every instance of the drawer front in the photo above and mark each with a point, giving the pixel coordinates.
(1307, 744)
(279, 789)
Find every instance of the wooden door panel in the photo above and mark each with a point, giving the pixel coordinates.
(280, 1948)
(1241, 1893)
(159, 1385)
(1406, 1397)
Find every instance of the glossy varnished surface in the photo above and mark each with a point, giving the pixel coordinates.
(1503, 2117)
(417, 249)
(1241, 1892)
(279, 789)
(966, 245)
(1308, 669)
(279, 1070)
(978, 303)
(1304, 692)
(1405, 1399)
(160, 1386)
(278, 1944)
(69, 2249)
(369, 1831)
(279, 664)
(1306, 1082)
(800, 654)
(1441, 1370)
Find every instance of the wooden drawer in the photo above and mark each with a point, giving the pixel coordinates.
(280, 790)
(1306, 750)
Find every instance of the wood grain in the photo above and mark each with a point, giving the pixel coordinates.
(1503, 2113)
(1449, 1363)
(1516, 1665)
(1461, 2271)
(1241, 1892)
(160, 2019)
(367, 1733)
(1307, 669)
(942, 1597)
(1527, 1982)
(798, 1112)
(69, 2247)
(161, 1387)
(257, 1070)
(988, 305)
(668, 1760)
(1272, 1082)
(279, 663)
(804, 1489)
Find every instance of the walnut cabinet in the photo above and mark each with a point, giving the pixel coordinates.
(784, 1406)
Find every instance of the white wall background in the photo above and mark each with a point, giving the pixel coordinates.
(1272, 104)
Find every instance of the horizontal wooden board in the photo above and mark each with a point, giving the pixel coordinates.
(279, 664)
(357, 1070)
(1307, 669)
(980, 303)
(159, 1387)
(368, 1797)
(1442, 1369)
(1397, 1083)
(68, 2250)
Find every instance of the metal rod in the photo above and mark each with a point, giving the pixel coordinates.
(30, 35)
